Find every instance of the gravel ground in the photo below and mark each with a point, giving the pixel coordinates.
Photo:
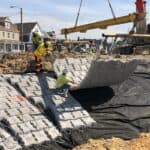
(140, 143)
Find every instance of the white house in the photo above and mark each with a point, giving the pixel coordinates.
(9, 36)
(29, 28)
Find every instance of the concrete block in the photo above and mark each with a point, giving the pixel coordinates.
(40, 137)
(28, 139)
(3, 133)
(37, 93)
(13, 104)
(17, 128)
(66, 116)
(39, 124)
(88, 121)
(7, 142)
(65, 125)
(32, 127)
(52, 132)
(47, 122)
(13, 112)
(3, 106)
(38, 116)
(3, 114)
(26, 117)
(14, 120)
(79, 114)
(25, 110)
(24, 127)
(10, 144)
(77, 123)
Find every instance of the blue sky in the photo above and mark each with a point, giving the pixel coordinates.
(57, 14)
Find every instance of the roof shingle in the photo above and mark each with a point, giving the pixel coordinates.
(27, 27)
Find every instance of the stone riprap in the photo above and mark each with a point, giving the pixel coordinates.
(67, 112)
(90, 72)
(26, 123)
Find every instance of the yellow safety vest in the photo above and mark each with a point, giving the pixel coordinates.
(36, 39)
(62, 79)
(41, 50)
(90, 52)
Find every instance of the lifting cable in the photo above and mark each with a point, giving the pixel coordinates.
(112, 11)
(78, 14)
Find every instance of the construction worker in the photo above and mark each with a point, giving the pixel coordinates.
(90, 51)
(36, 39)
(40, 52)
(63, 83)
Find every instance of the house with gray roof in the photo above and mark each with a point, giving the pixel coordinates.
(29, 28)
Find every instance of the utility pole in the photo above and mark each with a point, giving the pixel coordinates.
(21, 23)
(21, 26)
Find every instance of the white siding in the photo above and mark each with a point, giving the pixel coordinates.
(9, 36)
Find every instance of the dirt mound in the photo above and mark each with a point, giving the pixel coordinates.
(20, 63)
(141, 143)
(24, 62)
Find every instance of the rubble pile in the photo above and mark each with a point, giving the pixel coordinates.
(16, 63)
(24, 62)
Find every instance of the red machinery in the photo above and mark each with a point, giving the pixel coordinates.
(140, 6)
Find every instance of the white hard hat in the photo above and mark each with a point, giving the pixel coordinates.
(65, 71)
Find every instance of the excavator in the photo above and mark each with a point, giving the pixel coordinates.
(94, 71)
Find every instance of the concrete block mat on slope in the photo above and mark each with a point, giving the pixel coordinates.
(26, 123)
(67, 112)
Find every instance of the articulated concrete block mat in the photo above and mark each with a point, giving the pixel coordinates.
(26, 123)
(7, 142)
(68, 112)
(88, 72)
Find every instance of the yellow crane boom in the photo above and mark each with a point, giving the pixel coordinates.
(105, 23)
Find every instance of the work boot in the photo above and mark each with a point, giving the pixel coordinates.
(38, 67)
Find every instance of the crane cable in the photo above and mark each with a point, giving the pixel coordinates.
(112, 11)
(78, 14)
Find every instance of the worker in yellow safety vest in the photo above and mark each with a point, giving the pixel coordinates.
(63, 84)
(36, 40)
(40, 52)
(90, 51)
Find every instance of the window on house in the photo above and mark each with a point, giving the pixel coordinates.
(7, 25)
(15, 46)
(1, 47)
(13, 35)
(3, 34)
(8, 47)
(8, 35)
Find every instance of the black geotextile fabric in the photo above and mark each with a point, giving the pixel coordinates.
(120, 111)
